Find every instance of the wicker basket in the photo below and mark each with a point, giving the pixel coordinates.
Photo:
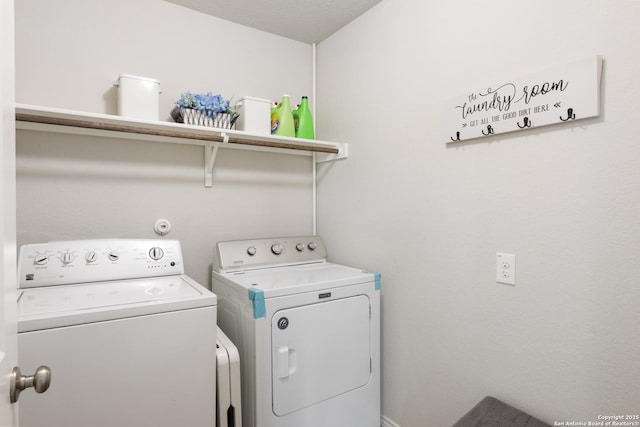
(193, 117)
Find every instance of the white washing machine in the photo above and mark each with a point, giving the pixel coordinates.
(307, 330)
(129, 338)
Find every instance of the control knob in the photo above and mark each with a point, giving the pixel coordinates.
(156, 253)
(312, 246)
(277, 248)
(300, 247)
(251, 250)
(66, 258)
(40, 259)
(113, 256)
(91, 256)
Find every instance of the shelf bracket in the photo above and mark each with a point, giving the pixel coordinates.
(210, 154)
(343, 153)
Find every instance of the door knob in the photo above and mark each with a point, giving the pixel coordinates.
(39, 381)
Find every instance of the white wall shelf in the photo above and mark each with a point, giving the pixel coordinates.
(46, 119)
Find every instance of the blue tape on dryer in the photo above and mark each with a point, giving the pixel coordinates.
(257, 299)
(377, 277)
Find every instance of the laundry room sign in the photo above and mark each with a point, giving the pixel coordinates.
(561, 94)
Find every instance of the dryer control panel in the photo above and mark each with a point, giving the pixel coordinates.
(83, 261)
(251, 254)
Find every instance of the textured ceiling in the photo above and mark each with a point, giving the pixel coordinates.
(309, 21)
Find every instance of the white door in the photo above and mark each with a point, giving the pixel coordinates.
(8, 340)
(319, 351)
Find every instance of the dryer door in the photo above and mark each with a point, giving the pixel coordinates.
(319, 351)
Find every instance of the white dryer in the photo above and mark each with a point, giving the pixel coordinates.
(308, 333)
(129, 338)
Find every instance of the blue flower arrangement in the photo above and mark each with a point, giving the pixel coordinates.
(207, 103)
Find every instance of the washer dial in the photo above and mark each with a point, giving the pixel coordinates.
(91, 256)
(66, 258)
(41, 259)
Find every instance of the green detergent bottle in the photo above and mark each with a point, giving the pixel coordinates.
(282, 119)
(303, 122)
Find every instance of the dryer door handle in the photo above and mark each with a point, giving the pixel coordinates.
(287, 362)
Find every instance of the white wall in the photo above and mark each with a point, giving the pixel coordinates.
(563, 343)
(69, 52)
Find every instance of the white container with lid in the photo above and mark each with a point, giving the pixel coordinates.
(138, 97)
(255, 115)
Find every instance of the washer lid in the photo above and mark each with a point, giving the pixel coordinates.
(55, 306)
(295, 279)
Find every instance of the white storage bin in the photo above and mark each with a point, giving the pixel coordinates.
(138, 97)
(255, 115)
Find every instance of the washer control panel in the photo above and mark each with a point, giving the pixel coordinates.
(258, 253)
(83, 261)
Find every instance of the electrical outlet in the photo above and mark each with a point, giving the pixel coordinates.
(506, 268)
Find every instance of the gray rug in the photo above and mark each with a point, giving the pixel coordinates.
(491, 412)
